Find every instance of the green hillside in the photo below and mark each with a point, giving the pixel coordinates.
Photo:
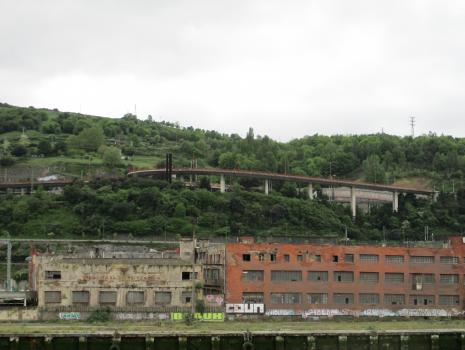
(41, 141)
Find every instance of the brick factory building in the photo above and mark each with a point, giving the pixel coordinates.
(423, 279)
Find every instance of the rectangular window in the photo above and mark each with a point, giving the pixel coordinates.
(162, 298)
(317, 258)
(299, 258)
(449, 278)
(394, 277)
(245, 257)
(343, 276)
(261, 257)
(186, 275)
(186, 297)
(369, 298)
(319, 276)
(286, 258)
(449, 260)
(252, 275)
(449, 300)
(285, 298)
(343, 298)
(335, 259)
(81, 297)
(135, 297)
(53, 275)
(394, 299)
(422, 278)
(369, 258)
(317, 298)
(369, 277)
(286, 276)
(394, 259)
(415, 259)
(107, 298)
(349, 258)
(52, 297)
(423, 300)
(272, 257)
(252, 297)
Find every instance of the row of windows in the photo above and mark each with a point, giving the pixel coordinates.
(348, 298)
(349, 258)
(185, 275)
(110, 297)
(348, 276)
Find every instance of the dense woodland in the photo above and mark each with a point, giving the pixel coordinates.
(148, 207)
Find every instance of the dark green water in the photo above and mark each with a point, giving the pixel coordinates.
(450, 341)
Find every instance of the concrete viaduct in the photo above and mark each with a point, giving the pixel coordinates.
(307, 180)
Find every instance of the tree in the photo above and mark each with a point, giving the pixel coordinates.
(374, 170)
(44, 147)
(112, 157)
(89, 139)
(19, 150)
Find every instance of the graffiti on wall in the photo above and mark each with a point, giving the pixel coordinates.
(199, 316)
(69, 316)
(281, 312)
(381, 313)
(245, 308)
(139, 316)
(214, 299)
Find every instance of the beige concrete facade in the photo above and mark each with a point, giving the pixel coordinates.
(62, 281)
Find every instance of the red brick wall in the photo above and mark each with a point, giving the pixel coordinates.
(235, 286)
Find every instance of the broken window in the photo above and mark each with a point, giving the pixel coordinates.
(300, 258)
(335, 258)
(186, 275)
(52, 297)
(422, 300)
(285, 298)
(343, 276)
(53, 275)
(186, 297)
(261, 257)
(394, 299)
(81, 297)
(343, 298)
(272, 257)
(135, 297)
(245, 257)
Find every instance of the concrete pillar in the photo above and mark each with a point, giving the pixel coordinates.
(23, 191)
(267, 187)
(216, 343)
(279, 343)
(14, 343)
(462, 341)
(48, 343)
(311, 343)
(222, 184)
(149, 343)
(395, 202)
(435, 196)
(342, 340)
(182, 343)
(374, 342)
(116, 340)
(434, 341)
(353, 201)
(82, 343)
(404, 342)
(310, 191)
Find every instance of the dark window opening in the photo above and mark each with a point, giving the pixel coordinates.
(299, 257)
(186, 275)
(347, 300)
(335, 258)
(53, 275)
(261, 257)
(245, 257)
(339, 278)
(272, 257)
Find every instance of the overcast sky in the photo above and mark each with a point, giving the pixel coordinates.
(287, 68)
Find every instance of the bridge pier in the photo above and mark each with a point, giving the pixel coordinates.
(395, 202)
(353, 202)
(267, 186)
(310, 191)
(222, 184)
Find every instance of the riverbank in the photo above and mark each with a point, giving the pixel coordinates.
(208, 328)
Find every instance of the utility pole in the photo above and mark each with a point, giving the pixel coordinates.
(412, 125)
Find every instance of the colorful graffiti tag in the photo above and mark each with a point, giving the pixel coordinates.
(206, 316)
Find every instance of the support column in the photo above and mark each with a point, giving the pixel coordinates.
(82, 343)
(404, 342)
(395, 202)
(215, 343)
(311, 343)
(374, 342)
(267, 186)
(48, 343)
(310, 191)
(222, 184)
(182, 343)
(149, 342)
(279, 343)
(353, 202)
(342, 339)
